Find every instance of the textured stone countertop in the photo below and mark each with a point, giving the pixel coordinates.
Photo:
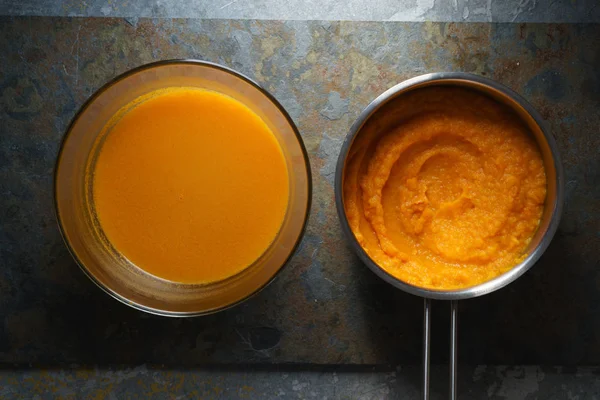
(325, 307)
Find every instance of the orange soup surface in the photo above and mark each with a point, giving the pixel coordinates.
(190, 185)
(445, 188)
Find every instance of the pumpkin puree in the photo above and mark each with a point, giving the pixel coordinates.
(190, 185)
(445, 189)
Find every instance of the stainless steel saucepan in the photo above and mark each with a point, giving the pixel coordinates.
(548, 224)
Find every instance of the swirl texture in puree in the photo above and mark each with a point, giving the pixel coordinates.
(444, 188)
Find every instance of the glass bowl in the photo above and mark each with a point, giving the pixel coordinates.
(83, 235)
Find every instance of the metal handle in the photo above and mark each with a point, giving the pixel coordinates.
(426, 337)
(453, 347)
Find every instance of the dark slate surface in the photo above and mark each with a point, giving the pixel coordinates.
(354, 10)
(325, 307)
(293, 382)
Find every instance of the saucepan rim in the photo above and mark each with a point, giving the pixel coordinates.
(466, 79)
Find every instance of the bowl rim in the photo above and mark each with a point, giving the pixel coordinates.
(156, 64)
(445, 78)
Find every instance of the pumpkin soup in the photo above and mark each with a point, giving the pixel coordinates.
(190, 185)
(449, 194)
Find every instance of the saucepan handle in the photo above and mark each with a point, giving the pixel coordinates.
(453, 347)
(426, 340)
